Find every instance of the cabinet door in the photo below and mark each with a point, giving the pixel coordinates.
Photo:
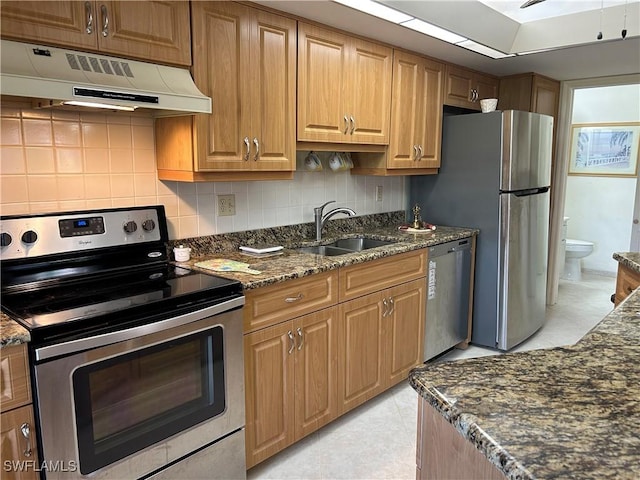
(458, 87)
(272, 76)
(149, 30)
(222, 54)
(322, 75)
(269, 391)
(65, 23)
(316, 370)
(487, 87)
(361, 351)
(407, 103)
(429, 130)
(404, 328)
(545, 96)
(15, 446)
(368, 90)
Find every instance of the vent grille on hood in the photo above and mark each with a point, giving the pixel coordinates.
(61, 75)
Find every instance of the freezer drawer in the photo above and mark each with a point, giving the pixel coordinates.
(448, 281)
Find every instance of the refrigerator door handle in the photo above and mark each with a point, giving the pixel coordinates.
(527, 191)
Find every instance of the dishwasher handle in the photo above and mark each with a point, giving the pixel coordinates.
(450, 247)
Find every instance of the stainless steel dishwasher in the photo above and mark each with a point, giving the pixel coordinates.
(448, 280)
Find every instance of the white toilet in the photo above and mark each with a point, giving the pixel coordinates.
(574, 251)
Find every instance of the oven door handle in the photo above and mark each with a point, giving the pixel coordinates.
(73, 346)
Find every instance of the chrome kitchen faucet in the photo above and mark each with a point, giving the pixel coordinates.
(320, 219)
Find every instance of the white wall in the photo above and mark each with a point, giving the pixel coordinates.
(600, 209)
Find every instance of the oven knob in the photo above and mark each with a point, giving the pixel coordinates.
(29, 236)
(5, 239)
(130, 227)
(148, 225)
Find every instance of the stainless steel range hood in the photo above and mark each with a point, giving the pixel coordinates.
(58, 77)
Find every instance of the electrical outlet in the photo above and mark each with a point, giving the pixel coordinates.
(379, 193)
(226, 205)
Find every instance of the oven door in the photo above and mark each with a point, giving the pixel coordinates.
(132, 408)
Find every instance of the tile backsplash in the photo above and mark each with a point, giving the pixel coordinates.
(53, 160)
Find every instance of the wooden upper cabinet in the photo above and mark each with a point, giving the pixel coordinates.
(71, 24)
(530, 92)
(344, 88)
(148, 30)
(416, 115)
(245, 60)
(155, 31)
(465, 88)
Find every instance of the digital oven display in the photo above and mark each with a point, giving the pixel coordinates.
(74, 227)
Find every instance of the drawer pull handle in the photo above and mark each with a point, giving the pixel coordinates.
(25, 428)
(386, 307)
(292, 342)
(301, 337)
(346, 124)
(392, 306)
(629, 289)
(353, 124)
(300, 296)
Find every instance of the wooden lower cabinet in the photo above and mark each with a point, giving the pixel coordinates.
(290, 382)
(628, 280)
(381, 338)
(17, 435)
(318, 346)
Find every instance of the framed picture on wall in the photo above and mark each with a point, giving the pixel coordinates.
(604, 149)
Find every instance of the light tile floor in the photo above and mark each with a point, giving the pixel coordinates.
(378, 439)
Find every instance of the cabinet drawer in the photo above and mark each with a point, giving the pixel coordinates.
(627, 282)
(269, 305)
(15, 387)
(358, 280)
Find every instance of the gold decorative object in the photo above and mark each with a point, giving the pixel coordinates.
(417, 221)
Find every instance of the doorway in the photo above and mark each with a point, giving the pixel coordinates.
(600, 207)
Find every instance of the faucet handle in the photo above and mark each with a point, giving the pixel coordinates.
(321, 208)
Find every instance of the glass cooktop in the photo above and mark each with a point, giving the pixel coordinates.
(116, 296)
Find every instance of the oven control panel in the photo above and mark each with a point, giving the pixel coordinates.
(47, 234)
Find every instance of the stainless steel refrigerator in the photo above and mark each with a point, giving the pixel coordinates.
(495, 175)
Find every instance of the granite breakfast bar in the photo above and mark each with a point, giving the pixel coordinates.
(567, 412)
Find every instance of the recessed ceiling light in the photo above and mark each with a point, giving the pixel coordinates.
(484, 50)
(433, 31)
(376, 9)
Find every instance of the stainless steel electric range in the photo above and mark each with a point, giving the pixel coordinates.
(136, 363)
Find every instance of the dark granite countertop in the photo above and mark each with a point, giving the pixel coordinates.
(11, 332)
(629, 259)
(566, 412)
(291, 264)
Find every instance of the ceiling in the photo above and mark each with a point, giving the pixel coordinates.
(566, 30)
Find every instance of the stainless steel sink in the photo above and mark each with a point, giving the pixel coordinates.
(326, 250)
(345, 245)
(360, 243)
